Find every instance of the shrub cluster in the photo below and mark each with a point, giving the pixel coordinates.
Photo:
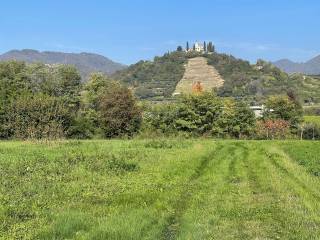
(202, 114)
(48, 102)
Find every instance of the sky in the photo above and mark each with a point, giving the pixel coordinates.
(131, 30)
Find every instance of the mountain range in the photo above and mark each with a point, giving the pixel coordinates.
(311, 67)
(86, 63)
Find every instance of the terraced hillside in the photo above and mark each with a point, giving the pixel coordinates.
(160, 189)
(308, 87)
(199, 72)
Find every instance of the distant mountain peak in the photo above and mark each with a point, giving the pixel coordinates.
(85, 62)
(311, 67)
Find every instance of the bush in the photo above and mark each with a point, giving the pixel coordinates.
(37, 117)
(273, 129)
(311, 131)
(201, 114)
(284, 108)
(118, 111)
(237, 120)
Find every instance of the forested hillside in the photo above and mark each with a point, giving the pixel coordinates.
(86, 63)
(157, 79)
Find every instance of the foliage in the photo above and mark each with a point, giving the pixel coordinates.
(273, 129)
(198, 113)
(160, 117)
(36, 117)
(310, 128)
(119, 114)
(202, 114)
(284, 108)
(237, 120)
(19, 80)
(155, 79)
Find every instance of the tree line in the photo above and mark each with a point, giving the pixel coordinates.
(50, 102)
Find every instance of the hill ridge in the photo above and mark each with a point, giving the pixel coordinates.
(85, 62)
(310, 67)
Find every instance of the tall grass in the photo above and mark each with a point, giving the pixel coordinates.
(159, 189)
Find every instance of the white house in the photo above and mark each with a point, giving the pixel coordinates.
(199, 47)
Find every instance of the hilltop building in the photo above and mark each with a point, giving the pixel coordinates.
(200, 48)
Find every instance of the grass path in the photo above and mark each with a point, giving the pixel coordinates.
(160, 189)
(256, 193)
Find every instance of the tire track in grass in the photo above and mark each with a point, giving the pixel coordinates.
(236, 180)
(172, 227)
(261, 191)
(299, 205)
(273, 157)
(228, 208)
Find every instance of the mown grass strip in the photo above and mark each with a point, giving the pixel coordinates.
(172, 227)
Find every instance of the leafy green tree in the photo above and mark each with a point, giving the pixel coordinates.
(68, 85)
(94, 88)
(237, 119)
(282, 107)
(119, 112)
(198, 113)
(37, 117)
(14, 82)
(161, 117)
(86, 123)
(244, 122)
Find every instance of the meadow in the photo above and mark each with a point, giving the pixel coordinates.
(160, 189)
(312, 119)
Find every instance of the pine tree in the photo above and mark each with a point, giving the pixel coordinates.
(179, 49)
(205, 46)
(187, 48)
(194, 47)
(210, 47)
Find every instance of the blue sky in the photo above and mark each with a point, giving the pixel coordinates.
(131, 30)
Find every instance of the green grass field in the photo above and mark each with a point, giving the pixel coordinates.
(160, 189)
(312, 119)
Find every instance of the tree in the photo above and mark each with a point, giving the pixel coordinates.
(210, 47)
(198, 114)
(197, 88)
(187, 47)
(68, 85)
(179, 49)
(14, 82)
(244, 121)
(282, 107)
(38, 117)
(118, 111)
(93, 90)
(237, 119)
(194, 47)
(205, 46)
(273, 129)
